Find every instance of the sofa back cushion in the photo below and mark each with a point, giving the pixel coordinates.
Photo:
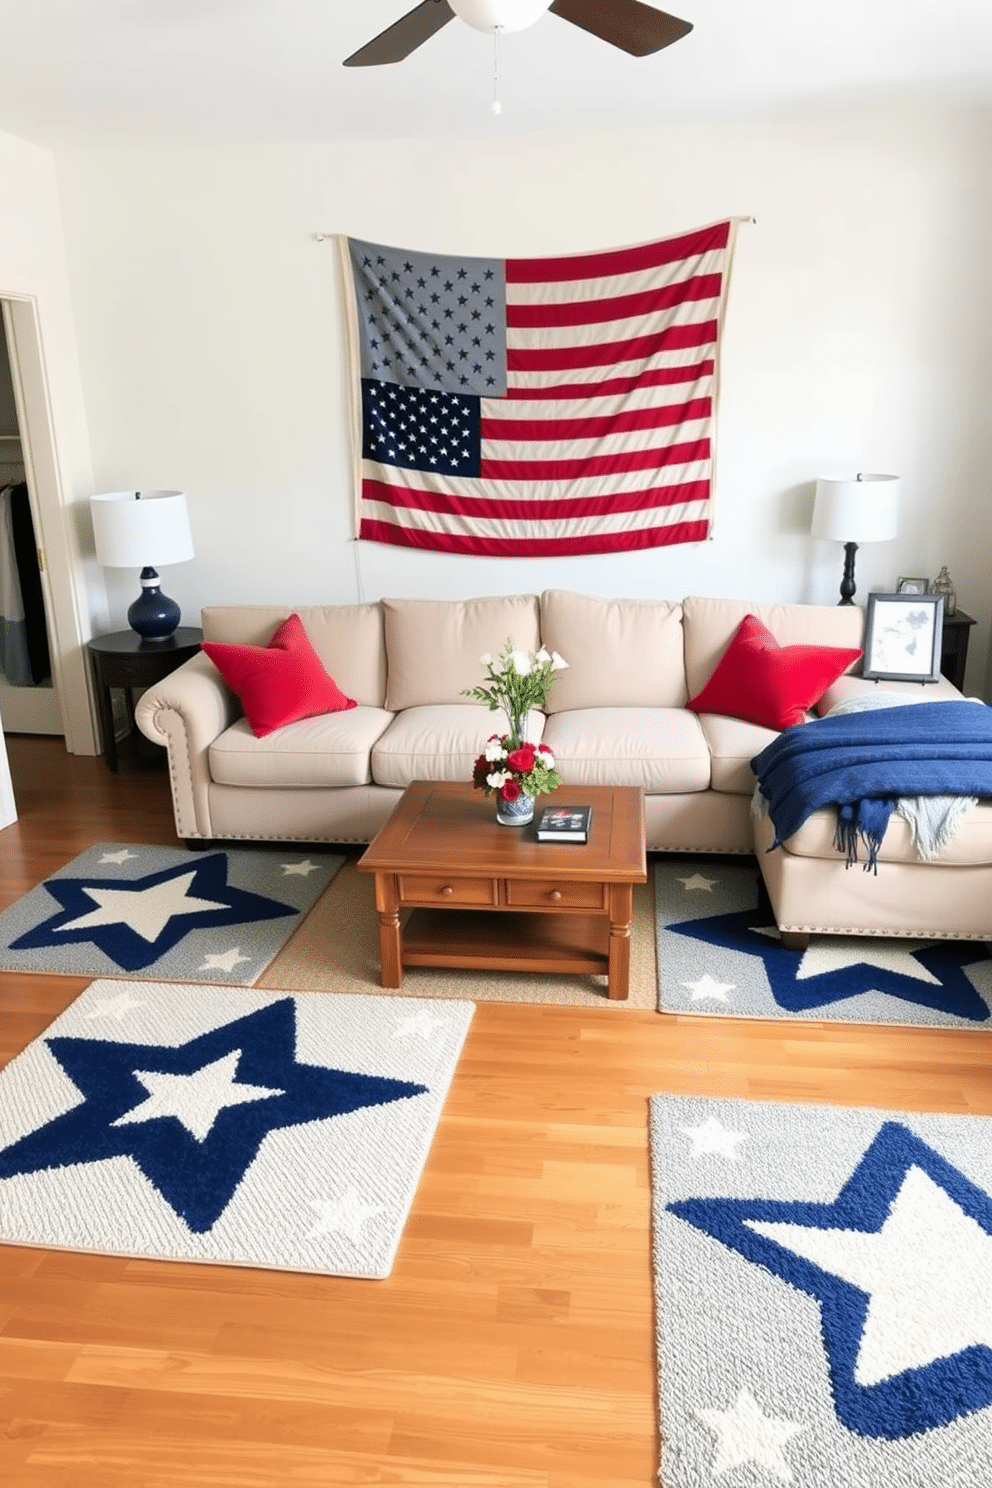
(433, 646)
(621, 653)
(347, 638)
(709, 626)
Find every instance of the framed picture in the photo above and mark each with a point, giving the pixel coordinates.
(902, 637)
(913, 586)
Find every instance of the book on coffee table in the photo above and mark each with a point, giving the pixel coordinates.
(564, 824)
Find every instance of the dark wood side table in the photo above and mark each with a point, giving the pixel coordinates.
(954, 646)
(125, 659)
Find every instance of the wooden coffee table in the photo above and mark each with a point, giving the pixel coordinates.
(491, 897)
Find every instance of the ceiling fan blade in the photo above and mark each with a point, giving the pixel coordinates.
(627, 24)
(404, 36)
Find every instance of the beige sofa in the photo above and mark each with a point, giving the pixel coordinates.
(617, 715)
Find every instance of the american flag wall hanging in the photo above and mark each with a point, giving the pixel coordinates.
(529, 407)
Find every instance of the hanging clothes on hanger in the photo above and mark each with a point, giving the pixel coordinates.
(14, 660)
(29, 575)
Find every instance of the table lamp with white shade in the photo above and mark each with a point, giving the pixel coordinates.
(139, 529)
(855, 509)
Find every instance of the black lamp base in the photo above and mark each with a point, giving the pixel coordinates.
(153, 615)
(847, 582)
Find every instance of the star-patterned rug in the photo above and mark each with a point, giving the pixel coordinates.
(225, 1125)
(823, 1280)
(164, 912)
(719, 952)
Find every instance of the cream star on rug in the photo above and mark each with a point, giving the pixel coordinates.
(697, 883)
(423, 1024)
(745, 1435)
(223, 960)
(195, 1100)
(707, 987)
(347, 1215)
(925, 1272)
(713, 1137)
(145, 911)
(115, 1007)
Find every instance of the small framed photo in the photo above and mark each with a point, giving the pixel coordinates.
(902, 637)
(913, 586)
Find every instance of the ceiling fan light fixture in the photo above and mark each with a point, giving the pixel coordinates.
(500, 15)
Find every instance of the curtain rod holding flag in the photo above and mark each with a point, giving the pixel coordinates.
(324, 237)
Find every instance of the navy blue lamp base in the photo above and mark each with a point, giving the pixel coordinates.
(153, 615)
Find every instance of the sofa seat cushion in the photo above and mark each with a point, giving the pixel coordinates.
(971, 844)
(439, 741)
(733, 743)
(330, 750)
(661, 749)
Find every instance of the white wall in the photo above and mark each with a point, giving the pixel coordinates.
(213, 355)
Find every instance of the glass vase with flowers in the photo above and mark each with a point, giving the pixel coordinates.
(511, 767)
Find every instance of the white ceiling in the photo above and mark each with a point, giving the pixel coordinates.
(247, 71)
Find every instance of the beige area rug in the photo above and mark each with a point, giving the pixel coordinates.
(336, 949)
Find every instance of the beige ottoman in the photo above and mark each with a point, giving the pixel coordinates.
(813, 891)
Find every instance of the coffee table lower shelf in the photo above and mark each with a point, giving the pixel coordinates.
(512, 940)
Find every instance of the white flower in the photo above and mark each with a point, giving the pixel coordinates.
(557, 662)
(494, 751)
(547, 756)
(521, 663)
(543, 656)
(486, 658)
(497, 778)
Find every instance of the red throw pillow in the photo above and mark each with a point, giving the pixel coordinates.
(762, 682)
(281, 682)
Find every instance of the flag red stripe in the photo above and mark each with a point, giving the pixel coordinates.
(617, 261)
(619, 307)
(653, 377)
(503, 547)
(609, 353)
(548, 430)
(585, 466)
(519, 510)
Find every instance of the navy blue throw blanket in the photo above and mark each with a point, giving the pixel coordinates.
(863, 762)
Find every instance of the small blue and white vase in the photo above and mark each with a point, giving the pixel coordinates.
(515, 813)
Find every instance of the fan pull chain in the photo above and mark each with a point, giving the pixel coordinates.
(497, 106)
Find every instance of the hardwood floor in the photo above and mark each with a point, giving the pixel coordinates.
(512, 1347)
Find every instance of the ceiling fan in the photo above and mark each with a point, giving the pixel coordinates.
(628, 24)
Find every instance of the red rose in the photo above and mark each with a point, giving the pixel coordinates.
(521, 760)
(479, 772)
(510, 789)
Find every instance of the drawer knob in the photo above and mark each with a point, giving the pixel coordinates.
(447, 891)
(555, 895)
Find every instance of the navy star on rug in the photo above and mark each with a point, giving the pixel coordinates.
(193, 1117)
(948, 990)
(719, 951)
(136, 923)
(899, 1265)
(217, 916)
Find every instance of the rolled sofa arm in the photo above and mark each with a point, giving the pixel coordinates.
(186, 712)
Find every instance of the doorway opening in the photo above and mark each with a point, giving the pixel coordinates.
(60, 537)
(28, 700)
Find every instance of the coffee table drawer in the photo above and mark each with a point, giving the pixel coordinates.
(479, 893)
(549, 893)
